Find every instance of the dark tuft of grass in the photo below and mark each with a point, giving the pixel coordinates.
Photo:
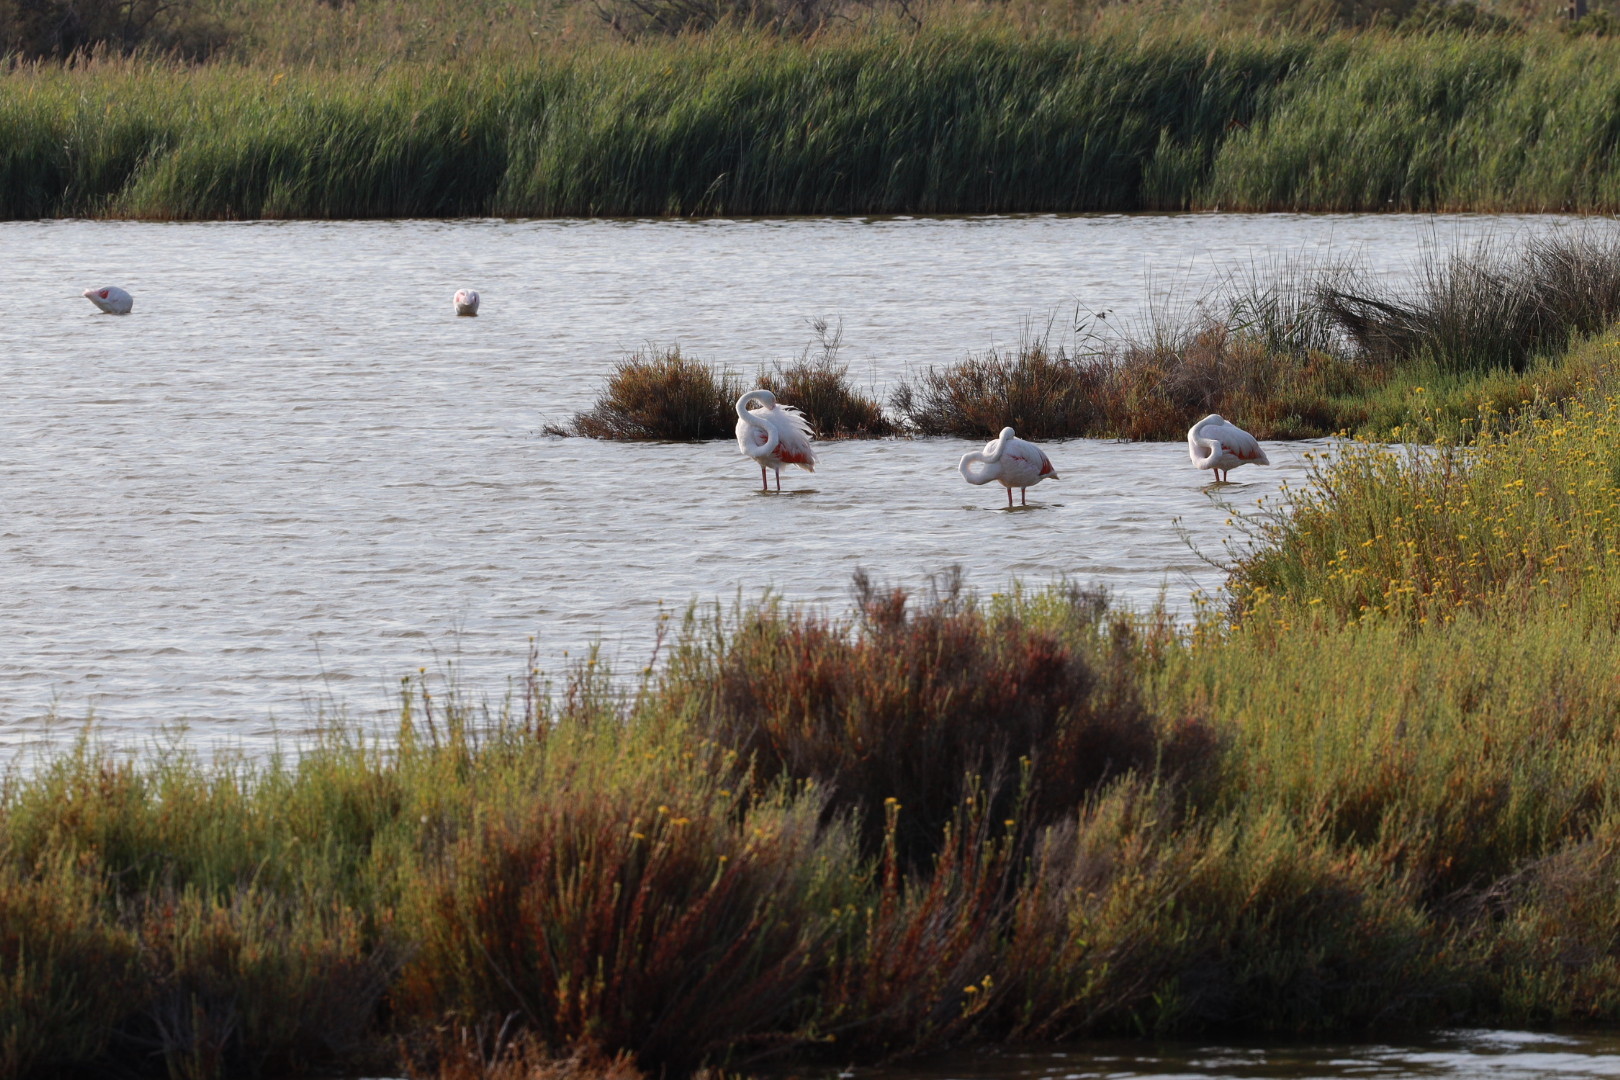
(1481, 310)
(660, 394)
(1044, 394)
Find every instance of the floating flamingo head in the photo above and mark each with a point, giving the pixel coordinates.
(109, 298)
(466, 302)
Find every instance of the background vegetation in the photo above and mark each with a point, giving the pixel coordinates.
(376, 108)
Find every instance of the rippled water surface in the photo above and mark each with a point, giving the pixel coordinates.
(1464, 1055)
(292, 476)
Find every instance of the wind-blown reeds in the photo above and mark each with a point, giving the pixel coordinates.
(971, 117)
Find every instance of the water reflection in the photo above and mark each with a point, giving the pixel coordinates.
(1497, 1055)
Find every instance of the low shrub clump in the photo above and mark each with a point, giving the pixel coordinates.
(817, 384)
(664, 395)
(1043, 393)
(660, 394)
(911, 706)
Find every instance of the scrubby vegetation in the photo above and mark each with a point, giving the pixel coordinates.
(1374, 787)
(1312, 352)
(660, 394)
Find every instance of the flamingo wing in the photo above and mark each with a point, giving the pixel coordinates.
(1241, 445)
(794, 435)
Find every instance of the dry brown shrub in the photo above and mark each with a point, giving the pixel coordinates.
(660, 394)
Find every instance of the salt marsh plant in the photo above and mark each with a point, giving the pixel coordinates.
(817, 384)
(1119, 113)
(661, 394)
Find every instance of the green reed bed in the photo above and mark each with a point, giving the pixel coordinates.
(969, 116)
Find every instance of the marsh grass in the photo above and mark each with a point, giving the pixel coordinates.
(408, 110)
(1304, 351)
(1483, 309)
(661, 394)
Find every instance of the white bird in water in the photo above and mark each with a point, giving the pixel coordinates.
(1218, 444)
(1017, 463)
(110, 299)
(466, 302)
(773, 435)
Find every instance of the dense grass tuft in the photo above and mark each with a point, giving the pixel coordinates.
(1479, 311)
(661, 395)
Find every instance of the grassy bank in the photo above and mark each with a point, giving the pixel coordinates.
(1375, 790)
(967, 116)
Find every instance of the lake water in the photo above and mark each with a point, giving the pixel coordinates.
(1462, 1055)
(292, 476)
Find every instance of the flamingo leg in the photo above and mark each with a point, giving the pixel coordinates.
(778, 479)
(1009, 498)
(1023, 496)
(764, 485)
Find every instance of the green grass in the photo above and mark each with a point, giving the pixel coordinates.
(963, 116)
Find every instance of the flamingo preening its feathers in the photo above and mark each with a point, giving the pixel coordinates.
(1218, 444)
(773, 435)
(1016, 462)
(466, 302)
(110, 299)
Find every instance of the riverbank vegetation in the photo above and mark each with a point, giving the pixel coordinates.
(386, 109)
(1373, 786)
(1293, 353)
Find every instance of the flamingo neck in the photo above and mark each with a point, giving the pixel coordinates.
(773, 437)
(983, 475)
(1201, 442)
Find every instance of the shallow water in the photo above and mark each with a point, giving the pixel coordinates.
(291, 476)
(1464, 1055)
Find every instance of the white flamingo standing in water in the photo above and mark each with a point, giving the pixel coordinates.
(773, 435)
(1218, 444)
(466, 302)
(110, 299)
(1017, 463)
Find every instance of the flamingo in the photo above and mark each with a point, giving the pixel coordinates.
(773, 435)
(1016, 462)
(1218, 444)
(466, 302)
(110, 299)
